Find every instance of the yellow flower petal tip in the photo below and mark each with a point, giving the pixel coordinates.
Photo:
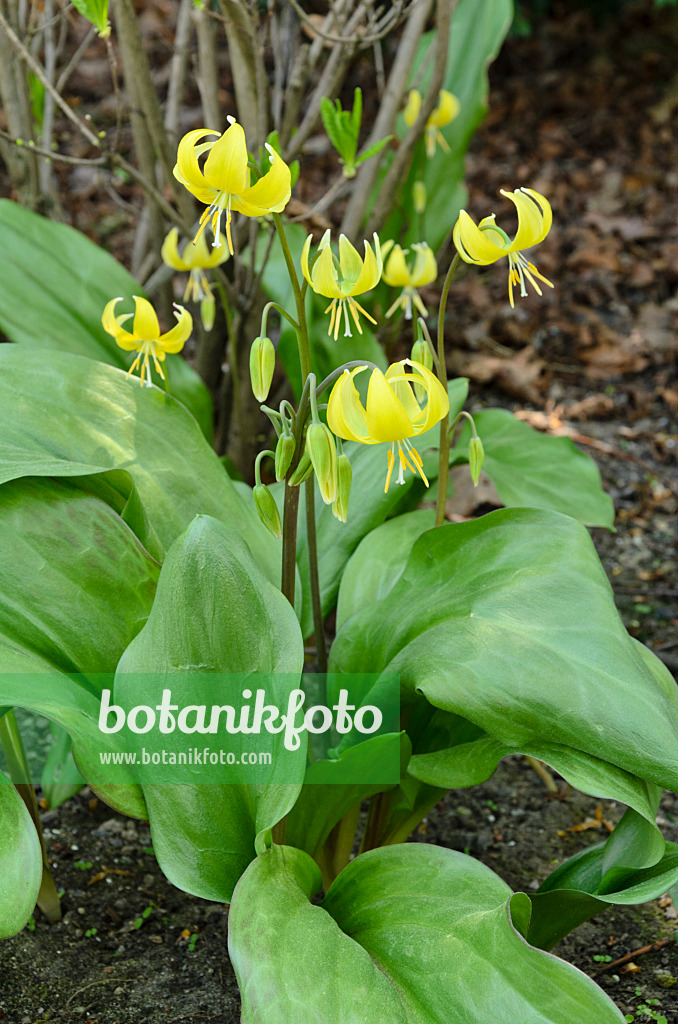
(342, 278)
(223, 181)
(486, 242)
(392, 414)
(145, 337)
(447, 110)
(409, 275)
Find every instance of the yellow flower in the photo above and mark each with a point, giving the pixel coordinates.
(446, 111)
(486, 243)
(398, 275)
(391, 414)
(196, 259)
(223, 184)
(146, 337)
(342, 279)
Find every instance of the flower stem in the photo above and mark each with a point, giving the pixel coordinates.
(289, 542)
(444, 454)
(315, 576)
(302, 330)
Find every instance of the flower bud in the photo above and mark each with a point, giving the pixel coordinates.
(344, 476)
(284, 453)
(419, 196)
(207, 312)
(262, 364)
(302, 471)
(323, 452)
(476, 457)
(267, 509)
(421, 353)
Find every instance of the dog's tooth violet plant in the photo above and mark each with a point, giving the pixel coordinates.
(285, 693)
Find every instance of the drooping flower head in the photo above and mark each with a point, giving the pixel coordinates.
(391, 414)
(343, 278)
(196, 259)
(422, 271)
(145, 336)
(223, 184)
(486, 242)
(446, 111)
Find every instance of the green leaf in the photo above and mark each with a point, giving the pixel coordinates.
(378, 562)
(214, 612)
(63, 415)
(412, 934)
(635, 865)
(322, 803)
(60, 777)
(533, 469)
(20, 861)
(510, 622)
(75, 583)
(372, 150)
(95, 11)
(53, 289)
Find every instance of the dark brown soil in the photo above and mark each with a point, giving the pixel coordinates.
(133, 948)
(578, 111)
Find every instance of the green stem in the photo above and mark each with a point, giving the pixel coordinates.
(233, 360)
(302, 330)
(444, 455)
(283, 312)
(20, 774)
(289, 541)
(315, 580)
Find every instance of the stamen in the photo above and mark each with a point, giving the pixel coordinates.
(347, 332)
(391, 462)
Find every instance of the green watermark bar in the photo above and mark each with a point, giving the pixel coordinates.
(194, 728)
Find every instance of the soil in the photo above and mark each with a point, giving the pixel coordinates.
(580, 111)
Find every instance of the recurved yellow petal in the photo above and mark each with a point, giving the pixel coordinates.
(446, 111)
(372, 268)
(438, 404)
(396, 273)
(345, 415)
(189, 173)
(473, 245)
(304, 258)
(174, 340)
(387, 419)
(412, 107)
(324, 278)
(425, 267)
(226, 166)
(399, 380)
(350, 263)
(270, 194)
(145, 326)
(530, 221)
(110, 324)
(170, 251)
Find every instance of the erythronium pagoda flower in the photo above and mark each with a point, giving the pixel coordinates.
(223, 184)
(145, 336)
(391, 414)
(446, 111)
(486, 242)
(342, 279)
(397, 274)
(196, 259)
